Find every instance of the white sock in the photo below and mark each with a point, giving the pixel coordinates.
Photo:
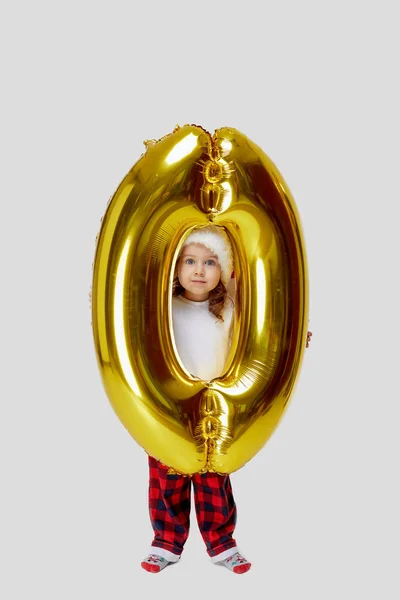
(236, 563)
(154, 563)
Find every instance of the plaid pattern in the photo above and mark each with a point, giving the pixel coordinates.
(169, 505)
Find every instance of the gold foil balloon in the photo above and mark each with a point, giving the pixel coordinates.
(188, 179)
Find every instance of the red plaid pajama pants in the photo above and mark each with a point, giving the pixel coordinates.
(169, 504)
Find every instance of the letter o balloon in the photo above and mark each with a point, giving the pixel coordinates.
(189, 179)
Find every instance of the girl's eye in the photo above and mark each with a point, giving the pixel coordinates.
(210, 262)
(189, 261)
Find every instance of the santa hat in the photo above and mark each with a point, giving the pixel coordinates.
(215, 239)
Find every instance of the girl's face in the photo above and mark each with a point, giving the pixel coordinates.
(199, 272)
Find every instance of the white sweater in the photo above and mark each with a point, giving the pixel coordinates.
(202, 341)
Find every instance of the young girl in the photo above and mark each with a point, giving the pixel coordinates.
(202, 314)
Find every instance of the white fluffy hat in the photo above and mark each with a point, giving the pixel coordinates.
(217, 241)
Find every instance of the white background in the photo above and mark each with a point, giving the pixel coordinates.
(315, 84)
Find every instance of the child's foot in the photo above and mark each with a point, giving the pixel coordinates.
(236, 563)
(154, 563)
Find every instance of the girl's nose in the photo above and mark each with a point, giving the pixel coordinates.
(199, 270)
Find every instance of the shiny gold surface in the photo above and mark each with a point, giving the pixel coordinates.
(187, 179)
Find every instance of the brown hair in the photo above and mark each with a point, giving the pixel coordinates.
(216, 299)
